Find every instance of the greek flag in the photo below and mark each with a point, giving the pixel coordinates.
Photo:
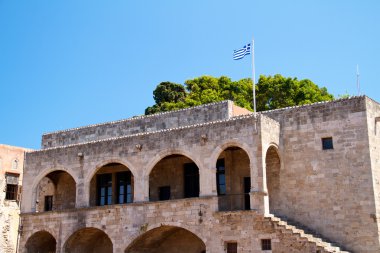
(240, 53)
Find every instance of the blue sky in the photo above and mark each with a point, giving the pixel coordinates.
(71, 63)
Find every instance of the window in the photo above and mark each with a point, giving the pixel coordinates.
(327, 143)
(104, 189)
(124, 187)
(221, 177)
(232, 247)
(191, 180)
(164, 192)
(48, 203)
(15, 164)
(12, 186)
(11, 193)
(266, 244)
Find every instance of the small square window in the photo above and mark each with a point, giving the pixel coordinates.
(266, 244)
(327, 143)
(232, 247)
(11, 193)
(164, 193)
(48, 203)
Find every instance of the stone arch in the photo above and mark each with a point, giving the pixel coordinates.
(99, 165)
(120, 189)
(169, 239)
(230, 143)
(42, 242)
(164, 153)
(57, 187)
(90, 239)
(233, 176)
(175, 175)
(273, 169)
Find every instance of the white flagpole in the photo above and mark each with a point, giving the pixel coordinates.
(253, 75)
(357, 79)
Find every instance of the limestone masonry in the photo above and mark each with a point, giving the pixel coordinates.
(213, 178)
(11, 164)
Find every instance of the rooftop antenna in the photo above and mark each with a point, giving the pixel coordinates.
(357, 79)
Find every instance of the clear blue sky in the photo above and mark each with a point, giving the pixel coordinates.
(71, 63)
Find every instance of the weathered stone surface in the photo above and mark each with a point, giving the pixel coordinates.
(332, 193)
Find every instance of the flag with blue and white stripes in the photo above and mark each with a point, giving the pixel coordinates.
(240, 53)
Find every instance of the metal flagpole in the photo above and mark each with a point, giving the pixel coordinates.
(357, 79)
(253, 75)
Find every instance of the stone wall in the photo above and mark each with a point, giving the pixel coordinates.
(123, 224)
(141, 124)
(328, 191)
(11, 161)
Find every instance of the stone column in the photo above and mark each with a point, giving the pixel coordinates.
(258, 193)
(207, 180)
(141, 188)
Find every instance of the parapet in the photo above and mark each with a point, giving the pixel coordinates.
(144, 124)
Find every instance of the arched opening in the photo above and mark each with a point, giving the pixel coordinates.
(273, 164)
(88, 240)
(233, 180)
(41, 242)
(56, 191)
(112, 184)
(167, 239)
(174, 177)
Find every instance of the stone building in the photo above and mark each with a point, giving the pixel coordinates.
(213, 178)
(11, 164)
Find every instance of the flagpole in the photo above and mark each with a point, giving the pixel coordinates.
(253, 76)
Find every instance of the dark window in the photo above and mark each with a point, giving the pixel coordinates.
(11, 193)
(124, 187)
(266, 244)
(221, 177)
(247, 189)
(191, 173)
(232, 247)
(48, 203)
(104, 188)
(327, 143)
(164, 192)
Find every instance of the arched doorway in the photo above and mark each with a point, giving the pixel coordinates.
(113, 183)
(88, 240)
(167, 239)
(41, 242)
(56, 191)
(233, 180)
(174, 177)
(273, 165)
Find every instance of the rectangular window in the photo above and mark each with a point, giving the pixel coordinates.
(12, 186)
(11, 193)
(124, 187)
(164, 192)
(104, 189)
(232, 247)
(266, 244)
(191, 174)
(48, 203)
(327, 143)
(221, 177)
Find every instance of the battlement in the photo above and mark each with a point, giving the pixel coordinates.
(144, 124)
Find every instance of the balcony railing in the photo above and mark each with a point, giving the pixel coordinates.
(234, 202)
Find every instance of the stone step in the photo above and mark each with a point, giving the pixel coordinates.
(287, 228)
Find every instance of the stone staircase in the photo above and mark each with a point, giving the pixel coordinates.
(322, 246)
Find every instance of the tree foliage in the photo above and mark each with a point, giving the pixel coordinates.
(271, 92)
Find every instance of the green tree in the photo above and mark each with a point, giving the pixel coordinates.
(276, 91)
(271, 92)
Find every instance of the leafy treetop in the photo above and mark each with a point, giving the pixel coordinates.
(272, 92)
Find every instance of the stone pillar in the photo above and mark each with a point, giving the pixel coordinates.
(258, 193)
(207, 181)
(141, 188)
